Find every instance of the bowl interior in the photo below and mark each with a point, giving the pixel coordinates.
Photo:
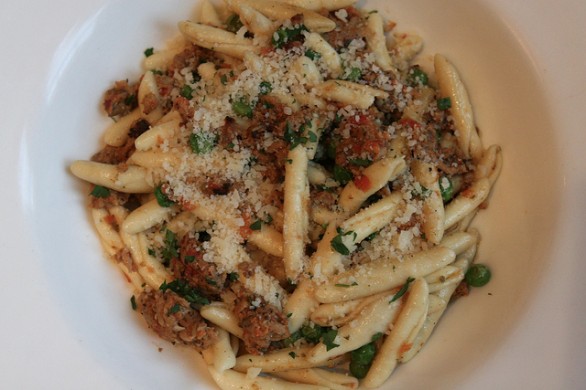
(511, 110)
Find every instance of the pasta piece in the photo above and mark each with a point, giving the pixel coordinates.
(340, 313)
(233, 380)
(268, 239)
(255, 21)
(328, 54)
(380, 275)
(113, 244)
(377, 42)
(307, 71)
(131, 180)
(161, 59)
(316, 376)
(208, 14)
(378, 174)
(282, 360)
(317, 5)
(444, 277)
(373, 319)
(300, 304)
(221, 355)
(146, 216)
(405, 48)
(346, 92)
(433, 206)
(409, 322)
(490, 164)
(441, 299)
(296, 217)
(466, 202)
(154, 159)
(219, 314)
(451, 86)
(149, 98)
(217, 39)
(281, 12)
(156, 135)
(117, 133)
(459, 241)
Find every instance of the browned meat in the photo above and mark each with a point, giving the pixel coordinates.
(191, 267)
(114, 199)
(372, 146)
(262, 322)
(171, 317)
(344, 33)
(121, 99)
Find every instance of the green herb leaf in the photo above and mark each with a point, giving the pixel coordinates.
(170, 249)
(202, 143)
(285, 35)
(100, 192)
(189, 259)
(182, 288)
(174, 309)
(360, 162)
(133, 302)
(224, 79)
(342, 175)
(187, 92)
(256, 225)
(149, 52)
(403, 290)
(162, 199)
(354, 75)
(233, 276)
(338, 245)
(312, 333)
(292, 354)
(312, 55)
(329, 338)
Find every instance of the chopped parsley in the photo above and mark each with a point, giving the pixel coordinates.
(337, 242)
(285, 35)
(293, 137)
(293, 354)
(312, 55)
(133, 302)
(233, 276)
(149, 52)
(354, 75)
(329, 338)
(162, 198)
(342, 175)
(174, 309)
(170, 249)
(100, 192)
(202, 143)
(403, 290)
(182, 288)
(187, 92)
(256, 225)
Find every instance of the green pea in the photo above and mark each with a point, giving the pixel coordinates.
(358, 370)
(364, 354)
(478, 275)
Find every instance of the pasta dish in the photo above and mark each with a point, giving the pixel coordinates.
(290, 194)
